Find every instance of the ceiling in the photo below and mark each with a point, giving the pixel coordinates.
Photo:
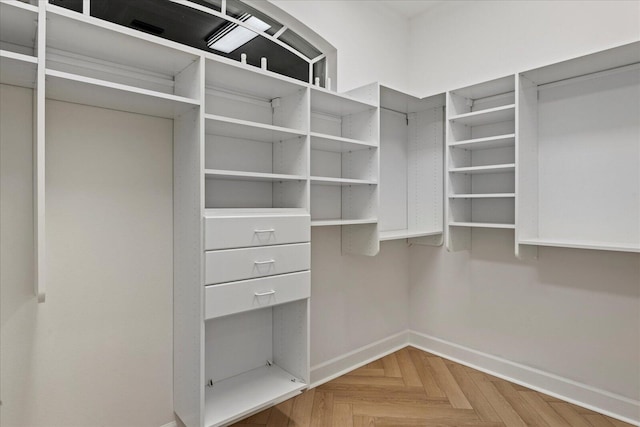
(410, 8)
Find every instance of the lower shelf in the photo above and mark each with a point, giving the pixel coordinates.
(406, 234)
(583, 244)
(482, 225)
(236, 397)
(330, 222)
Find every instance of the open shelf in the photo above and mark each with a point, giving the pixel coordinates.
(498, 141)
(406, 234)
(89, 37)
(250, 176)
(332, 222)
(69, 87)
(582, 244)
(322, 180)
(499, 114)
(244, 129)
(482, 225)
(472, 170)
(338, 144)
(235, 77)
(483, 196)
(18, 27)
(18, 69)
(333, 103)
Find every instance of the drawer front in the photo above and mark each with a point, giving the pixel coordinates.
(248, 263)
(242, 232)
(230, 298)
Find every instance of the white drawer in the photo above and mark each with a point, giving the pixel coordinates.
(241, 230)
(230, 298)
(247, 263)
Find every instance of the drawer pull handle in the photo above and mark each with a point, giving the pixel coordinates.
(262, 294)
(267, 230)
(271, 261)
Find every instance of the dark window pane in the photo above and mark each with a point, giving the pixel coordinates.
(75, 5)
(236, 9)
(212, 4)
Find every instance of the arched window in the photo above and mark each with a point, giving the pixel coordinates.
(229, 28)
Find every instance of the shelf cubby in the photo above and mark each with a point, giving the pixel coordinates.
(93, 48)
(579, 157)
(480, 159)
(254, 359)
(411, 162)
(18, 69)
(18, 27)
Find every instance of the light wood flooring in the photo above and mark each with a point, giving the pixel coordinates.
(414, 388)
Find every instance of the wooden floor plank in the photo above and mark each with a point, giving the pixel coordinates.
(342, 415)
(448, 384)
(414, 388)
(571, 415)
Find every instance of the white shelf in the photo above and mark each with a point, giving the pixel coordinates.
(487, 89)
(232, 399)
(332, 222)
(333, 103)
(79, 34)
(18, 24)
(243, 129)
(253, 212)
(17, 69)
(471, 170)
(250, 176)
(483, 196)
(582, 244)
(406, 234)
(498, 141)
(321, 180)
(99, 93)
(235, 77)
(337, 144)
(482, 225)
(483, 117)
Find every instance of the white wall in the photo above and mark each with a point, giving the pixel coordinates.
(372, 42)
(99, 351)
(572, 313)
(457, 43)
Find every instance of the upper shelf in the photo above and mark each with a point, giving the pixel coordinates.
(337, 144)
(406, 234)
(487, 89)
(76, 33)
(251, 176)
(483, 117)
(232, 76)
(99, 93)
(321, 180)
(582, 244)
(498, 141)
(18, 26)
(243, 129)
(17, 69)
(336, 104)
(474, 170)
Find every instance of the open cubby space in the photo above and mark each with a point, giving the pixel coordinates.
(331, 204)
(254, 191)
(491, 211)
(254, 359)
(343, 117)
(351, 165)
(580, 157)
(96, 49)
(484, 183)
(18, 28)
(411, 161)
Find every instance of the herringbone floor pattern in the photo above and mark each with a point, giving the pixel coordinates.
(414, 388)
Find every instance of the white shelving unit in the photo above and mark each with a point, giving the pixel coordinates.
(480, 160)
(411, 172)
(344, 166)
(579, 158)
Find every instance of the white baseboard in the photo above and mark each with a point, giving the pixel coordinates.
(333, 368)
(602, 401)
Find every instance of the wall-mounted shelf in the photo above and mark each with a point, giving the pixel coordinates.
(578, 244)
(251, 176)
(406, 234)
(481, 225)
(18, 69)
(483, 196)
(320, 180)
(18, 27)
(333, 222)
(244, 129)
(473, 170)
(338, 144)
(497, 141)
(483, 117)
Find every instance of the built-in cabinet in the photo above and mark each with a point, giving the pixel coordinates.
(259, 159)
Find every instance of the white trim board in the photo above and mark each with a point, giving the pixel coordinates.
(602, 401)
(340, 365)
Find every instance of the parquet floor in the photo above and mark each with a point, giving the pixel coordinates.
(414, 388)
